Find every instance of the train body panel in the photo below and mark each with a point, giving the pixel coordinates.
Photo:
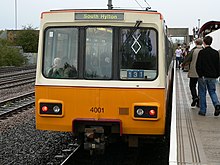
(102, 103)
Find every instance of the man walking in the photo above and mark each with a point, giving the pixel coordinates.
(190, 60)
(207, 67)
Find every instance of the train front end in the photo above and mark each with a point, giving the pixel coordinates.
(102, 73)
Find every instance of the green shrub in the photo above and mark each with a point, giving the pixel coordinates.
(10, 56)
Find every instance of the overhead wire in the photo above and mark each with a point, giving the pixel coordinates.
(138, 4)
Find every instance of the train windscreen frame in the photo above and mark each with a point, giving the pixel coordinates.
(136, 54)
(139, 56)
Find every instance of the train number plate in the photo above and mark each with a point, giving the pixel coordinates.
(135, 74)
(97, 110)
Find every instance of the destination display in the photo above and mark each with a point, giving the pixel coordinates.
(99, 16)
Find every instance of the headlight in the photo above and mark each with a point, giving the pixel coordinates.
(56, 109)
(140, 111)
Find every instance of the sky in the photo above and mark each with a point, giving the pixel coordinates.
(177, 14)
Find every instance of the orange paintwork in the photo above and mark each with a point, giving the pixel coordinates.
(79, 101)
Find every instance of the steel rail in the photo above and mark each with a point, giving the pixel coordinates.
(16, 104)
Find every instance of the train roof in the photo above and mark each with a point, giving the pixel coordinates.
(209, 27)
(104, 11)
(216, 39)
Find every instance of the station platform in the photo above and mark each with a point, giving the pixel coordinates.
(195, 139)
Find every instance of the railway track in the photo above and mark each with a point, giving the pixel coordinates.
(64, 157)
(72, 153)
(10, 69)
(13, 74)
(18, 83)
(17, 79)
(15, 104)
(121, 154)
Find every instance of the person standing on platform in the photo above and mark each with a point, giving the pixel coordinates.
(208, 69)
(184, 56)
(178, 53)
(219, 64)
(190, 60)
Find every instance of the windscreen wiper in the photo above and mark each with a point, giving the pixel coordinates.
(136, 26)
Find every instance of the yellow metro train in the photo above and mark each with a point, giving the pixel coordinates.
(102, 73)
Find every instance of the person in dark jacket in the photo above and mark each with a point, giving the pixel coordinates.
(207, 67)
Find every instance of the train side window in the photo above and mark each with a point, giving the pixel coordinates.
(98, 54)
(60, 44)
(138, 54)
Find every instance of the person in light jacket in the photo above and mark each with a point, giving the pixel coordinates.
(190, 60)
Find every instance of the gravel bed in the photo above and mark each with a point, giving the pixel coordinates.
(22, 144)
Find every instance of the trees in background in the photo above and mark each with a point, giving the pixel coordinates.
(25, 40)
(10, 55)
(28, 39)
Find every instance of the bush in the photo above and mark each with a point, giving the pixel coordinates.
(10, 56)
(28, 39)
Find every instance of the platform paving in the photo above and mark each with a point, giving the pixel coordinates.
(198, 137)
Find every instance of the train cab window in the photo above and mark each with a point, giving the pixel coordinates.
(60, 53)
(98, 53)
(138, 54)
